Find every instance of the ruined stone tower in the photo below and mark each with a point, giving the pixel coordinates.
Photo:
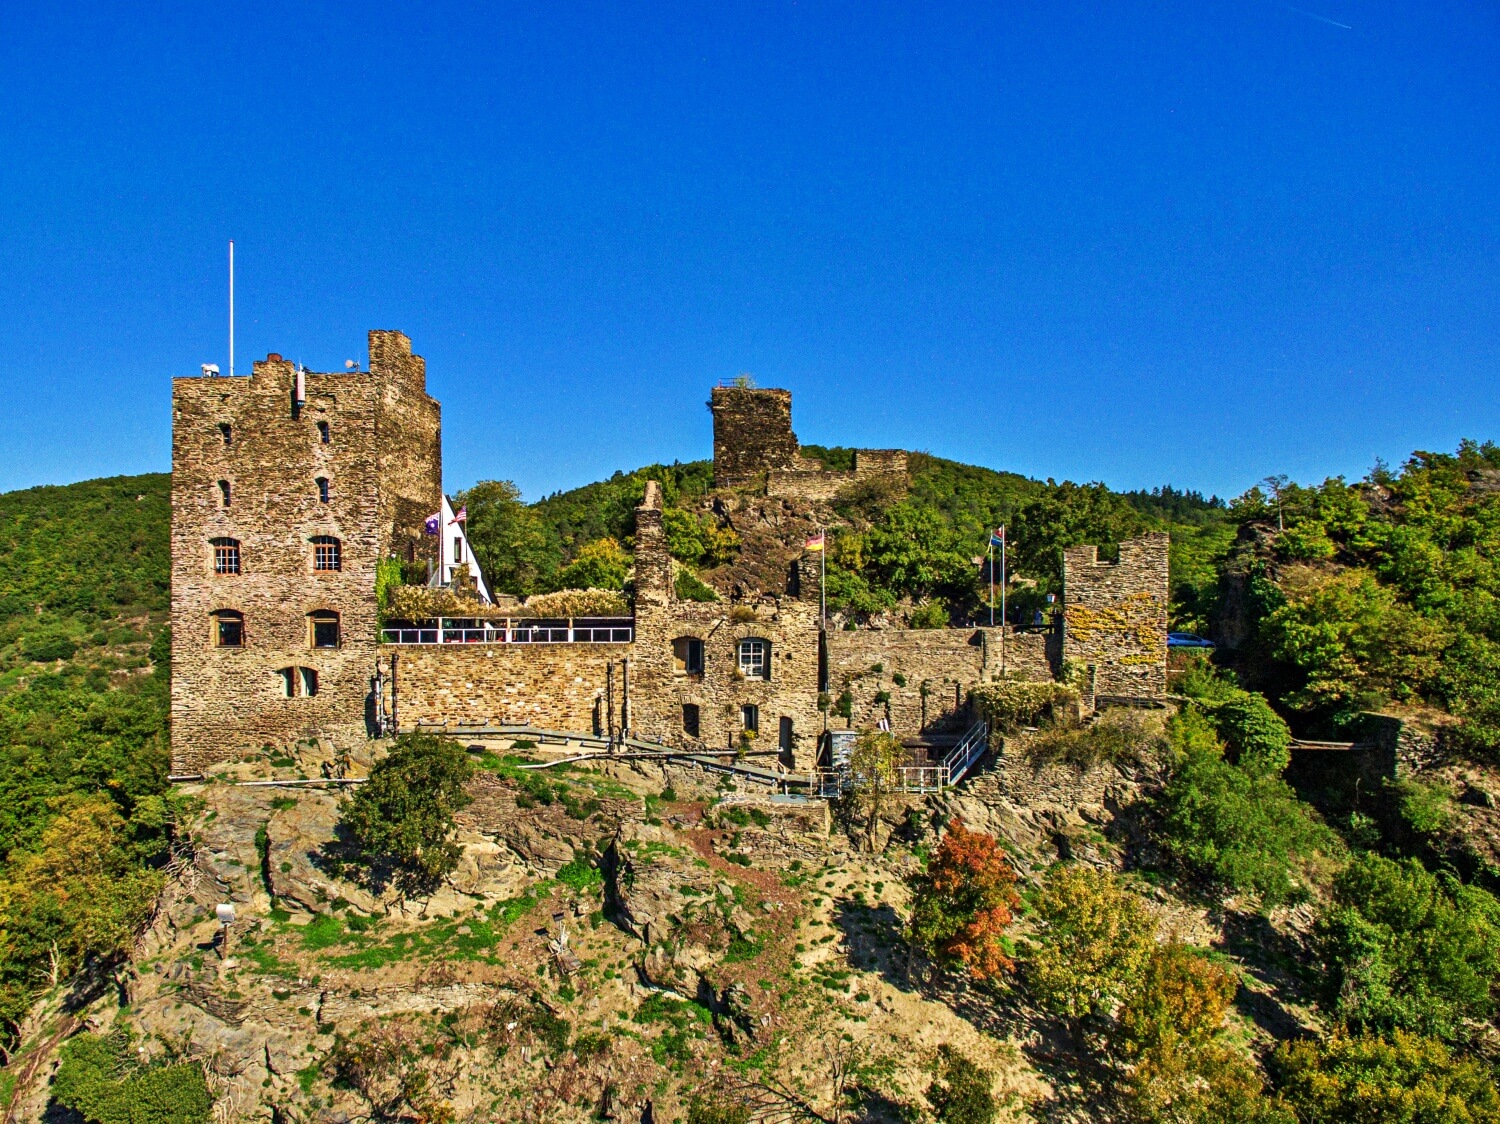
(288, 488)
(1115, 617)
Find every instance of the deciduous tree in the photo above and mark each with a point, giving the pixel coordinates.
(963, 902)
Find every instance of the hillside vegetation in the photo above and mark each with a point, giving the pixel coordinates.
(1227, 935)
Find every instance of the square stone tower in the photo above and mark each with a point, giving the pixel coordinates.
(288, 488)
(1115, 617)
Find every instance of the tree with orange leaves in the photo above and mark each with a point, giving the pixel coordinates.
(963, 902)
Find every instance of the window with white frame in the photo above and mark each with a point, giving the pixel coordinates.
(755, 658)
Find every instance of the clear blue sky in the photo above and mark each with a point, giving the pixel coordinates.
(1141, 242)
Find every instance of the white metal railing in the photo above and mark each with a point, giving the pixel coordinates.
(830, 783)
(970, 748)
(461, 630)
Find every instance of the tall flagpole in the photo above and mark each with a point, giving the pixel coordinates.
(823, 579)
(231, 307)
(991, 551)
(1002, 576)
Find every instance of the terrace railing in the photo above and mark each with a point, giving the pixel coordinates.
(469, 630)
(830, 783)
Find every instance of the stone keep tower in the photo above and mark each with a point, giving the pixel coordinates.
(1115, 617)
(288, 488)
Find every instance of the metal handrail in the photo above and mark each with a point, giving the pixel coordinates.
(969, 750)
(580, 630)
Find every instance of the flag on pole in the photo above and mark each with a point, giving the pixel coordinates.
(462, 516)
(816, 542)
(997, 537)
(432, 524)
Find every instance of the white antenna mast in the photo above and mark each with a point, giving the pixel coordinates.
(231, 308)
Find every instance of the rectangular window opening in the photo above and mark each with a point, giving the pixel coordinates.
(750, 718)
(690, 719)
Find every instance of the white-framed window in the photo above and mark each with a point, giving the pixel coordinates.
(755, 658)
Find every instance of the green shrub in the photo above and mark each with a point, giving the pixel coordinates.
(100, 1079)
(690, 587)
(934, 614)
(960, 1092)
(1405, 1079)
(1426, 807)
(1409, 950)
(1092, 941)
(403, 815)
(1244, 831)
(1258, 738)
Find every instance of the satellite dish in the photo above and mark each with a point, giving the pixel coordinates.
(225, 913)
(351, 364)
(210, 370)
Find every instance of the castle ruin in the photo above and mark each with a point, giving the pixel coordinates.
(295, 493)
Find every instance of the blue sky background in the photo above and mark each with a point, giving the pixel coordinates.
(1138, 242)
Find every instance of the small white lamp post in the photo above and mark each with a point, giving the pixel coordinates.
(225, 914)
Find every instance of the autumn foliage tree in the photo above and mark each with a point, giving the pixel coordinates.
(963, 902)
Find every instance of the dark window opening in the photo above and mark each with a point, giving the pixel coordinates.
(690, 719)
(784, 739)
(322, 482)
(229, 629)
(750, 718)
(226, 556)
(325, 629)
(687, 655)
(323, 435)
(298, 682)
(327, 554)
(458, 550)
(224, 492)
(226, 432)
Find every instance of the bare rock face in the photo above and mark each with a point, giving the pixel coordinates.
(299, 837)
(654, 883)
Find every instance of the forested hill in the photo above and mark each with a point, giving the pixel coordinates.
(888, 551)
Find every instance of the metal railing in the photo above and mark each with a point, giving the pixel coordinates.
(458, 630)
(830, 783)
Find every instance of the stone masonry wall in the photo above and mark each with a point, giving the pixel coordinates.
(227, 701)
(660, 691)
(752, 433)
(947, 662)
(552, 686)
(1115, 617)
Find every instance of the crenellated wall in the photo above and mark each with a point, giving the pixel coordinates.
(1115, 617)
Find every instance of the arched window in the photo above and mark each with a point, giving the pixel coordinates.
(323, 434)
(309, 680)
(226, 556)
(755, 658)
(327, 553)
(228, 628)
(323, 628)
(687, 655)
(226, 432)
(224, 492)
(322, 483)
